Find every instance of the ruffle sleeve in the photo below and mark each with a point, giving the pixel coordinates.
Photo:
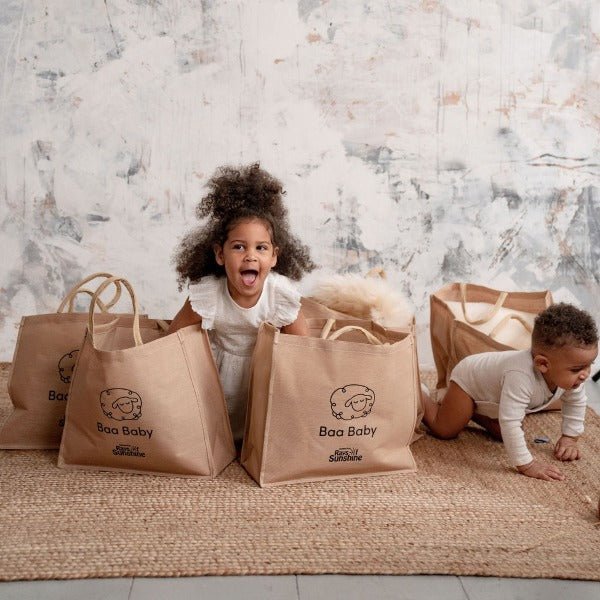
(286, 301)
(204, 297)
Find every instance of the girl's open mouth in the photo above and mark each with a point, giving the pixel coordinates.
(249, 277)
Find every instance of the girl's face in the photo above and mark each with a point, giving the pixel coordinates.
(248, 255)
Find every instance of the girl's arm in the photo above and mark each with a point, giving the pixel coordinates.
(298, 327)
(186, 316)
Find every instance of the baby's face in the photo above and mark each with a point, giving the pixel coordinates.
(248, 256)
(569, 366)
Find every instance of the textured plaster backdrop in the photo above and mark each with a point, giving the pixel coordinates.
(441, 140)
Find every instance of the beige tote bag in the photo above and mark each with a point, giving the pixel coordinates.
(145, 401)
(330, 407)
(468, 319)
(42, 368)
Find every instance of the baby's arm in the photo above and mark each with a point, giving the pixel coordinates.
(573, 415)
(298, 327)
(516, 392)
(186, 316)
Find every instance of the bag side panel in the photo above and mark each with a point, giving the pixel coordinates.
(41, 372)
(440, 330)
(258, 402)
(211, 402)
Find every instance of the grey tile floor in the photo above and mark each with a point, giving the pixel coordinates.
(312, 587)
(305, 587)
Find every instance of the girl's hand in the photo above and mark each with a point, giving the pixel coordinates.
(566, 449)
(541, 470)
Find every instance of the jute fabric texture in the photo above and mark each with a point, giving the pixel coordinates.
(464, 512)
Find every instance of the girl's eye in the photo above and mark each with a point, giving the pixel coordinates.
(238, 246)
(262, 247)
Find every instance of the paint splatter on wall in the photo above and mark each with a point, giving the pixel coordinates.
(442, 141)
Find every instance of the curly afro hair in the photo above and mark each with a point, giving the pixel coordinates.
(563, 324)
(240, 194)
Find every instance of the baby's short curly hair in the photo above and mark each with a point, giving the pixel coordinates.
(563, 324)
(239, 194)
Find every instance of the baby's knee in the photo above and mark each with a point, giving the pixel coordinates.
(443, 433)
(447, 435)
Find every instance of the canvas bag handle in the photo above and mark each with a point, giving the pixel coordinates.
(79, 289)
(101, 305)
(327, 335)
(492, 312)
(505, 320)
(137, 337)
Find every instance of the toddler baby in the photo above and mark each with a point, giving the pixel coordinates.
(497, 389)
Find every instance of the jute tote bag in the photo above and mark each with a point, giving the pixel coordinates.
(330, 407)
(468, 319)
(42, 368)
(145, 401)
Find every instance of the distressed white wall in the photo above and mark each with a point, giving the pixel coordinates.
(441, 140)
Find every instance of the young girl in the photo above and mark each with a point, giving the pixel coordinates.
(239, 266)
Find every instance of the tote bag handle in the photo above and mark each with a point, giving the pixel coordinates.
(137, 337)
(78, 288)
(492, 312)
(327, 335)
(494, 332)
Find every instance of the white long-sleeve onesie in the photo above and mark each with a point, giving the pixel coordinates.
(506, 386)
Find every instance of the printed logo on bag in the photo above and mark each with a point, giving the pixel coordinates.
(121, 404)
(352, 401)
(127, 450)
(345, 455)
(66, 365)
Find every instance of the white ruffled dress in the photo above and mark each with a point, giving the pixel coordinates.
(232, 331)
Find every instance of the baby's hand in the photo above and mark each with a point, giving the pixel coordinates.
(566, 449)
(541, 470)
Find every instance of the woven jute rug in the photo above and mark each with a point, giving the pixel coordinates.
(465, 512)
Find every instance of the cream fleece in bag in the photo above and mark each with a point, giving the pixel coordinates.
(371, 298)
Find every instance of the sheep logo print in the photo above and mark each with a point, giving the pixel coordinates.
(352, 401)
(66, 364)
(121, 404)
